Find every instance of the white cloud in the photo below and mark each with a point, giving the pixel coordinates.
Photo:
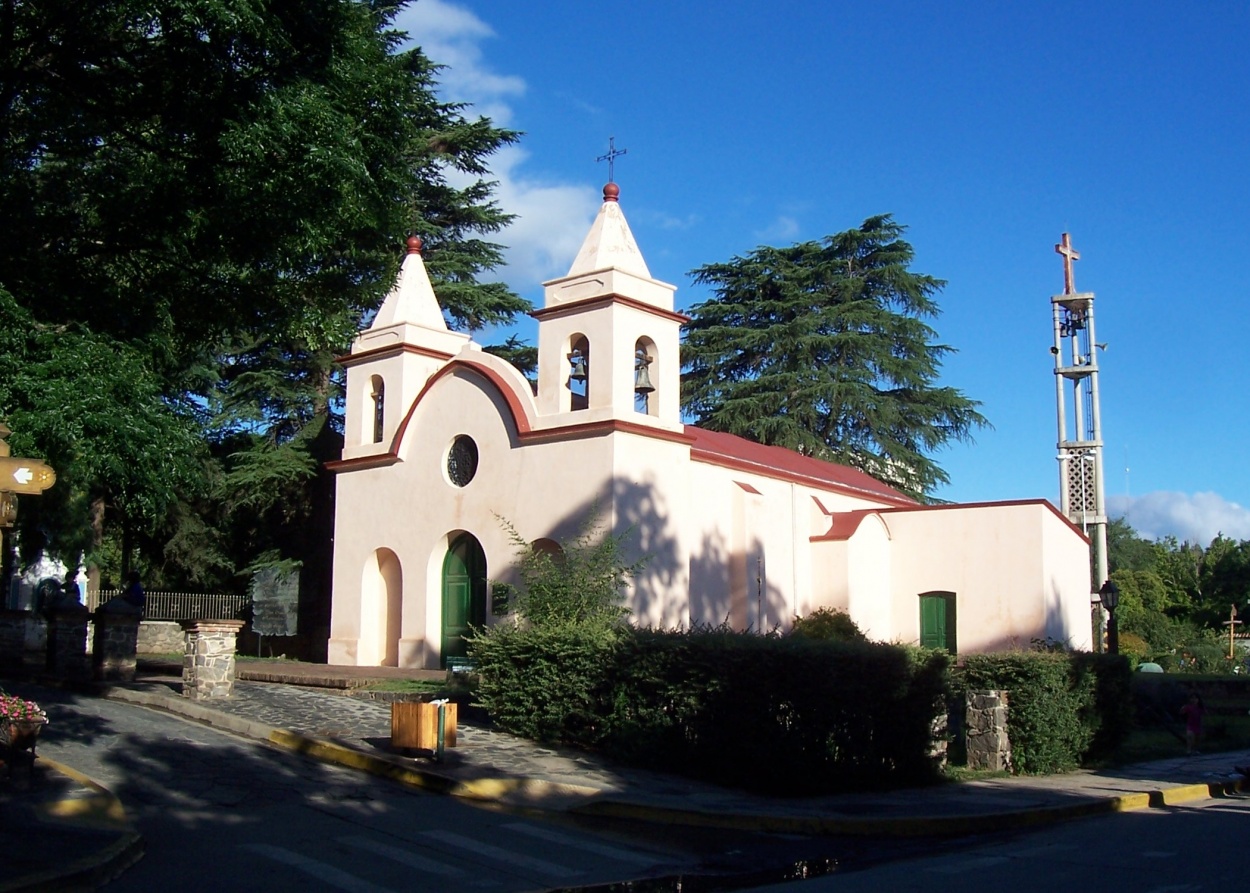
(1196, 517)
(451, 36)
(782, 228)
(552, 221)
(552, 216)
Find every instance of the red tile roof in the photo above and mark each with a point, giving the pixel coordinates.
(783, 464)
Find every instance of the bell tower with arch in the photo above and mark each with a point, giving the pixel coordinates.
(608, 337)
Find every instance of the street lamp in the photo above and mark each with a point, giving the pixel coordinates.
(1109, 595)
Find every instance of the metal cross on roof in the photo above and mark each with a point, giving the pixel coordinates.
(1069, 254)
(611, 156)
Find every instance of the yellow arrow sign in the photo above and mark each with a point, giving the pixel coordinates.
(25, 475)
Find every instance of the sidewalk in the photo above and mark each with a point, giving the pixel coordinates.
(309, 708)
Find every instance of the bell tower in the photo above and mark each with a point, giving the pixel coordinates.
(608, 337)
(1075, 348)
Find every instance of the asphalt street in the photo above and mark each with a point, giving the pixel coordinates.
(218, 811)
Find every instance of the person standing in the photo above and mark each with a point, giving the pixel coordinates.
(1193, 713)
(133, 593)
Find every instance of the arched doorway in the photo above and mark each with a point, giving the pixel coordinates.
(464, 593)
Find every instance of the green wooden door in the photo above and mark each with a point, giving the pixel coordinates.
(464, 594)
(937, 620)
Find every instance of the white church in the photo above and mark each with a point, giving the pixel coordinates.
(444, 442)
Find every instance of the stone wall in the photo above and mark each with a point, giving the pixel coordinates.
(12, 637)
(161, 637)
(985, 731)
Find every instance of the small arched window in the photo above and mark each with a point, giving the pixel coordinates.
(379, 408)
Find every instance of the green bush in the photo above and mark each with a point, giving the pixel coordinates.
(828, 625)
(775, 713)
(1203, 657)
(1063, 709)
(547, 683)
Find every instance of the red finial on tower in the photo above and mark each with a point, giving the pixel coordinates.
(1069, 254)
(611, 193)
(414, 244)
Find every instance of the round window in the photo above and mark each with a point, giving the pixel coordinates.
(462, 460)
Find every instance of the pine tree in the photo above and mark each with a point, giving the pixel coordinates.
(823, 348)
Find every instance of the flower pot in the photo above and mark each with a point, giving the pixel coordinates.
(22, 734)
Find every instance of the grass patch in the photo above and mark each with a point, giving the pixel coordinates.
(417, 686)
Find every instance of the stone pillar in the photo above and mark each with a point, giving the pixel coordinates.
(114, 643)
(208, 662)
(986, 731)
(67, 642)
(12, 637)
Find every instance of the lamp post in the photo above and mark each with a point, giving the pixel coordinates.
(1109, 595)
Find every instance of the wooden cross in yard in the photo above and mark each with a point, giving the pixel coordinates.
(1232, 623)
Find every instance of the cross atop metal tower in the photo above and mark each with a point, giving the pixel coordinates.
(1081, 490)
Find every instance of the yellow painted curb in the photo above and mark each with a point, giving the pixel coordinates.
(590, 801)
(517, 791)
(1186, 793)
(1131, 802)
(98, 809)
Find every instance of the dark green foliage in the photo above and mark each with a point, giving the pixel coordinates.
(760, 712)
(582, 583)
(1062, 708)
(1112, 713)
(547, 684)
(828, 625)
(822, 348)
(216, 193)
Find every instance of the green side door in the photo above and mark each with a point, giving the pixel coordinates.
(937, 621)
(464, 594)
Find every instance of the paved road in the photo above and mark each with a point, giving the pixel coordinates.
(1182, 849)
(220, 812)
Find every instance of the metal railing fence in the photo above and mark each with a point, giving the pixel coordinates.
(181, 605)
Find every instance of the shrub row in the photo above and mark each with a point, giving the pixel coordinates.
(1064, 710)
(775, 713)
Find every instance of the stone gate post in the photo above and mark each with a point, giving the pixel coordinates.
(208, 662)
(115, 640)
(12, 637)
(986, 731)
(67, 642)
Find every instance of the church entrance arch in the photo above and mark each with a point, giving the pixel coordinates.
(464, 594)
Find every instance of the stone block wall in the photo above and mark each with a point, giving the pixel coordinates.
(160, 637)
(113, 645)
(208, 664)
(985, 730)
(67, 643)
(12, 638)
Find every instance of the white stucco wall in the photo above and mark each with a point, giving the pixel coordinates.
(1008, 564)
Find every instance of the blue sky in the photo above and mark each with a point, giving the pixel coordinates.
(987, 129)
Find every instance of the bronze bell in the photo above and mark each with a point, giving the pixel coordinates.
(642, 380)
(579, 366)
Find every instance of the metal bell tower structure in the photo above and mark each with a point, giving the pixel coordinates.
(1082, 494)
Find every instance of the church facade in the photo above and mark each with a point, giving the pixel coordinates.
(445, 443)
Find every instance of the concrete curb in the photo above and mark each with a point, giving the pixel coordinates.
(99, 810)
(538, 794)
(916, 826)
(514, 791)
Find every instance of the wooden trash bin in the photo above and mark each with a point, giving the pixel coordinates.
(414, 725)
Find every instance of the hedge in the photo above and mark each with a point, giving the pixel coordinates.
(773, 713)
(1064, 710)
